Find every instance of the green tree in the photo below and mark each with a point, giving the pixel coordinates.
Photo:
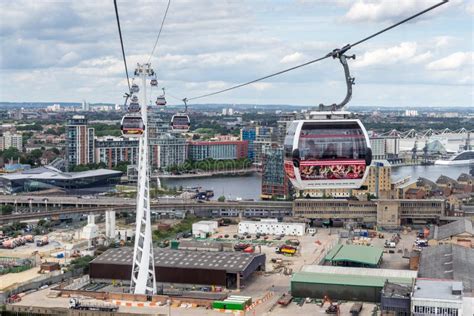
(6, 209)
(11, 153)
(122, 166)
(221, 198)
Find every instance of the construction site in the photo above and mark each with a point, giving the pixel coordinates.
(219, 269)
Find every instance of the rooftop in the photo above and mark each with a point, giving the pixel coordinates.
(352, 276)
(396, 290)
(48, 172)
(436, 289)
(448, 261)
(445, 180)
(355, 253)
(229, 261)
(452, 229)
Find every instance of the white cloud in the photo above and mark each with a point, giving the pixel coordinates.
(443, 41)
(406, 52)
(470, 8)
(261, 86)
(454, 61)
(390, 10)
(292, 58)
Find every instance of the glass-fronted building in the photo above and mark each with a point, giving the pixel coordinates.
(220, 150)
(250, 135)
(47, 177)
(275, 183)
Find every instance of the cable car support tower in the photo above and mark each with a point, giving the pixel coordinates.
(143, 270)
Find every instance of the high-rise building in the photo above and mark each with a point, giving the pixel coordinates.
(112, 150)
(282, 125)
(11, 140)
(167, 150)
(217, 150)
(264, 138)
(385, 147)
(85, 106)
(250, 135)
(275, 183)
(79, 141)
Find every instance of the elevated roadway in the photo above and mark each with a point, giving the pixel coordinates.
(42, 206)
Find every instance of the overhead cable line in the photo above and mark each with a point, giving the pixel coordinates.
(159, 32)
(121, 44)
(335, 54)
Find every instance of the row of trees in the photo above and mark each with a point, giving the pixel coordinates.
(210, 165)
(32, 158)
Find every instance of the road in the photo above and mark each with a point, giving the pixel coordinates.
(42, 206)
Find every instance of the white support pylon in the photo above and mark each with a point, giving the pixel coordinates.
(143, 270)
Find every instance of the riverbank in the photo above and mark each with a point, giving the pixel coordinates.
(221, 173)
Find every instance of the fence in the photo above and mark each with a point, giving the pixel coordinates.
(37, 283)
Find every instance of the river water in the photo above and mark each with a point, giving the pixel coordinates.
(248, 187)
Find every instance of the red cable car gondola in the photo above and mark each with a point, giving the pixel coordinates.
(180, 123)
(331, 149)
(324, 154)
(132, 125)
(161, 100)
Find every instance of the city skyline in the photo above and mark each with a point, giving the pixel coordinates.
(56, 54)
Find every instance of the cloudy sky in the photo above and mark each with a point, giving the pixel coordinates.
(56, 50)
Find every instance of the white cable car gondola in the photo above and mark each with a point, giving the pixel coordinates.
(180, 122)
(134, 88)
(324, 154)
(154, 82)
(161, 100)
(132, 125)
(331, 149)
(134, 106)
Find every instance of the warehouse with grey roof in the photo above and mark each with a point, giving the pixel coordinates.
(226, 269)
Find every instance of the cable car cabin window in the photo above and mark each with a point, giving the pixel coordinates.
(288, 142)
(332, 150)
(181, 122)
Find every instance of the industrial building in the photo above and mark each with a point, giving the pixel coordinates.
(386, 213)
(204, 228)
(437, 297)
(355, 256)
(460, 232)
(449, 261)
(396, 299)
(47, 177)
(272, 227)
(228, 269)
(343, 283)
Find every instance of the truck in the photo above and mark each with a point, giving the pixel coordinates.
(285, 299)
(42, 241)
(286, 250)
(91, 305)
